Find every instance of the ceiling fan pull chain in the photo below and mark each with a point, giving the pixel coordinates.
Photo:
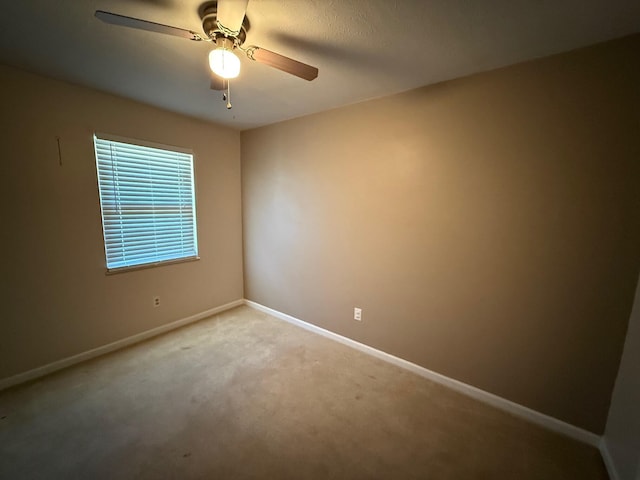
(228, 94)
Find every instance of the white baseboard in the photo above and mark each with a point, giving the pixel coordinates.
(533, 416)
(608, 460)
(110, 347)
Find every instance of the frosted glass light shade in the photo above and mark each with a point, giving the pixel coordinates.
(224, 62)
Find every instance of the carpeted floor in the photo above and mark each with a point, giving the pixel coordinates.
(245, 396)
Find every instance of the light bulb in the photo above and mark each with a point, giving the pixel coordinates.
(224, 62)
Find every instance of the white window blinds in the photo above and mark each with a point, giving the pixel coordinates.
(148, 203)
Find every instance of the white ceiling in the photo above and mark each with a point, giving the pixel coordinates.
(363, 48)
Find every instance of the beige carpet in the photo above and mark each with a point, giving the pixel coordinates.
(245, 396)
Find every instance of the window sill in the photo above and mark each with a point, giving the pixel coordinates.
(115, 271)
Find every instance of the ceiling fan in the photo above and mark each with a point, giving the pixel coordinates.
(224, 23)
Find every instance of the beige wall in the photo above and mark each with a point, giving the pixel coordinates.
(488, 226)
(56, 299)
(622, 434)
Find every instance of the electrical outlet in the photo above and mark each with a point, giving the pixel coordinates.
(156, 301)
(357, 314)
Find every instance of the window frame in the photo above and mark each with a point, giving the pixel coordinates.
(145, 143)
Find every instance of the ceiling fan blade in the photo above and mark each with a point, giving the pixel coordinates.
(231, 14)
(217, 83)
(115, 19)
(283, 63)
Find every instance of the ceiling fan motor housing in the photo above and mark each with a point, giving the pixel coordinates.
(211, 28)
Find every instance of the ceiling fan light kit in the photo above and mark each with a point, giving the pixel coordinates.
(223, 61)
(225, 23)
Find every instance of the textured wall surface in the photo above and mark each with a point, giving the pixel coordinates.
(488, 227)
(56, 299)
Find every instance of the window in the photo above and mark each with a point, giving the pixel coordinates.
(147, 201)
